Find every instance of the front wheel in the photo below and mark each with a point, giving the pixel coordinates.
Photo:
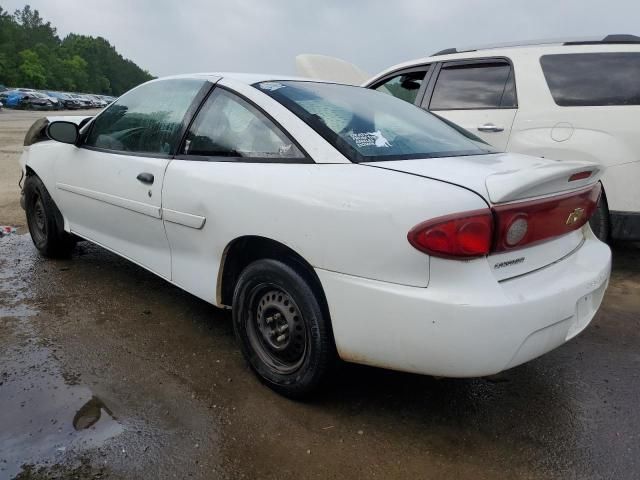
(45, 221)
(282, 330)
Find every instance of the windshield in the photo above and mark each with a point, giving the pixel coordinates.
(366, 125)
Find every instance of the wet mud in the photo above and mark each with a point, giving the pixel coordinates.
(107, 371)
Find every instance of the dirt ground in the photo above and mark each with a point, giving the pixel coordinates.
(13, 126)
(107, 371)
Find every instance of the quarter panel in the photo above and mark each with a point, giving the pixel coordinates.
(345, 218)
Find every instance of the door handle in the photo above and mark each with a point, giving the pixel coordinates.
(490, 127)
(145, 177)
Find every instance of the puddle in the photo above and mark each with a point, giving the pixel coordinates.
(44, 412)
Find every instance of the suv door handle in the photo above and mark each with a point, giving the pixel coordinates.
(145, 177)
(490, 127)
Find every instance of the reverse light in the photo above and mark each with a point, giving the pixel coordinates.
(464, 235)
(517, 231)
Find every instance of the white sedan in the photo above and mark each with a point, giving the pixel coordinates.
(334, 220)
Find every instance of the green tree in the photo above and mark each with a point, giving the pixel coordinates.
(32, 72)
(32, 54)
(76, 77)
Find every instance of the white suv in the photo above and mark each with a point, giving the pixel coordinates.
(564, 100)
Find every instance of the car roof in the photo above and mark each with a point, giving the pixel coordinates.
(610, 43)
(248, 78)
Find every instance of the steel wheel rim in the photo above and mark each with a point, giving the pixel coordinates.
(276, 329)
(38, 220)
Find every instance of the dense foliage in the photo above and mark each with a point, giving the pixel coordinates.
(32, 55)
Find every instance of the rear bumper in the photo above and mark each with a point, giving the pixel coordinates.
(469, 325)
(625, 225)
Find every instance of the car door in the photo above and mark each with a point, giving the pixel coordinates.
(211, 186)
(478, 95)
(110, 188)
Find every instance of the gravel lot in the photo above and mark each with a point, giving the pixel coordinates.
(107, 371)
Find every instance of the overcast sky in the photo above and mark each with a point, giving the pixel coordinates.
(167, 37)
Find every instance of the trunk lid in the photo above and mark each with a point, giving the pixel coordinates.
(508, 179)
(500, 177)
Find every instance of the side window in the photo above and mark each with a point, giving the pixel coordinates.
(228, 126)
(147, 119)
(404, 86)
(593, 79)
(474, 86)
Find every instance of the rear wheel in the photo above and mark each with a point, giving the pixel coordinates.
(282, 330)
(600, 220)
(45, 221)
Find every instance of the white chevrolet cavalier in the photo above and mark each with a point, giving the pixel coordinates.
(334, 221)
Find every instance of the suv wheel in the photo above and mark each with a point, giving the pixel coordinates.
(600, 220)
(281, 328)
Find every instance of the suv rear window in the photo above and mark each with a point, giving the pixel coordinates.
(593, 79)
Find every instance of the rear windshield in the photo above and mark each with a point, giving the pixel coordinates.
(593, 79)
(366, 125)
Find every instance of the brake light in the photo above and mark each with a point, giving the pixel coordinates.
(505, 227)
(580, 176)
(464, 235)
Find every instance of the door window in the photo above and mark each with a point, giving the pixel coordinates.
(404, 86)
(147, 119)
(483, 85)
(228, 126)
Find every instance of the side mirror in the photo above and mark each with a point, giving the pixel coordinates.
(61, 131)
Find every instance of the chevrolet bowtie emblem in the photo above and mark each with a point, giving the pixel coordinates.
(575, 216)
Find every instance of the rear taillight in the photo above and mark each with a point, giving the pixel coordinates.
(504, 227)
(466, 235)
(526, 223)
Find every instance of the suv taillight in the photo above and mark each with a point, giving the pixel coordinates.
(504, 227)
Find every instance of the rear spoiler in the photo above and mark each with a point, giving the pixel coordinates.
(545, 179)
(38, 131)
(323, 67)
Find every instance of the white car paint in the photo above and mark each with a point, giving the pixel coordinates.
(390, 305)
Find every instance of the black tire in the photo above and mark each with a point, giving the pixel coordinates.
(599, 221)
(293, 360)
(45, 221)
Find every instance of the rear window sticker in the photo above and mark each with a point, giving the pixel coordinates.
(271, 86)
(370, 139)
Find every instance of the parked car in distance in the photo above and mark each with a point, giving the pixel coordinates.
(66, 100)
(28, 100)
(11, 98)
(99, 102)
(56, 104)
(84, 101)
(40, 101)
(108, 98)
(567, 100)
(332, 219)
